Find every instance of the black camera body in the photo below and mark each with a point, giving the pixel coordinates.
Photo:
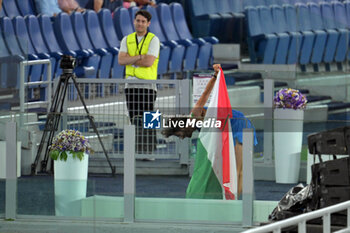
(67, 62)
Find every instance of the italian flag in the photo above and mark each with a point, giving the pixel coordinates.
(214, 175)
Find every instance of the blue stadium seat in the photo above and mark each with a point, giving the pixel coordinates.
(296, 36)
(270, 29)
(36, 71)
(80, 31)
(280, 25)
(331, 35)
(9, 75)
(252, 3)
(110, 35)
(49, 38)
(347, 8)
(234, 29)
(26, 7)
(342, 24)
(10, 8)
(53, 46)
(4, 54)
(27, 47)
(273, 2)
(122, 22)
(226, 27)
(229, 7)
(177, 51)
(329, 22)
(236, 6)
(68, 43)
(132, 12)
(12, 41)
(205, 48)
(313, 1)
(261, 46)
(203, 24)
(98, 41)
(341, 13)
(38, 43)
(169, 30)
(292, 2)
(318, 38)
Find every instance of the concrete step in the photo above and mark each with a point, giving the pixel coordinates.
(143, 167)
(338, 107)
(318, 99)
(244, 96)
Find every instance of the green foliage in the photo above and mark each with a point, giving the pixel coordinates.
(54, 154)
(62, 155)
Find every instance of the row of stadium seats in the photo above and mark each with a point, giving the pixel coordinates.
(94, 39)
(13, 8)
(220, 18)
(303, 34)
(224, 18)
(256, 3)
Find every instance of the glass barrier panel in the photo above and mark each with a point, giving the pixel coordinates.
(106, 104)
(91, 196)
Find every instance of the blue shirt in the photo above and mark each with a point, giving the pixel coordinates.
(238, 123)
(47, 7)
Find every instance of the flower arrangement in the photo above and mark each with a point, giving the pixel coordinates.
(69, 141)
(290, 98)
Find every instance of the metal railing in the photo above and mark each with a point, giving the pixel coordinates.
(24, 84)
(106, 101)
(301, 220)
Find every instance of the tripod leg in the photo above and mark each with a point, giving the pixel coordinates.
(51, 124)
(92, 122)
(50, 119)
(56, 121)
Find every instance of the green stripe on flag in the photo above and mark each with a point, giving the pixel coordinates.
(204, 183)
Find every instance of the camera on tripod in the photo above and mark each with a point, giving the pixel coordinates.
(67, 65)
(67, 62)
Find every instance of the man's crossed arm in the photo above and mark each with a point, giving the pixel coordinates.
(138, 60)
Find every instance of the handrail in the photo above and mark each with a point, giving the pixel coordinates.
(302, 219)
(22, 84)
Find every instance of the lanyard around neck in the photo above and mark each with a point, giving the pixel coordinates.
(137, 43)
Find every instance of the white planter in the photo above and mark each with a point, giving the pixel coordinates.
(70, 185)
(288, 135)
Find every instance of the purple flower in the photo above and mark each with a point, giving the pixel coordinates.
(70, 140)
(290, 98)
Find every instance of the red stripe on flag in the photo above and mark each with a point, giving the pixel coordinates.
(224, 105)
(228, 194)
(224, 112)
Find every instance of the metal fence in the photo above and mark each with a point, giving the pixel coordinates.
(301, 220)
(106, 101)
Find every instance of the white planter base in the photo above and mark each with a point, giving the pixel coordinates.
(288, 135)
(70, 185)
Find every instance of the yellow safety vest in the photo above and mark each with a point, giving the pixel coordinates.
(140, 72)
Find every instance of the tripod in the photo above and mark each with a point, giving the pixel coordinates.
(54, 116)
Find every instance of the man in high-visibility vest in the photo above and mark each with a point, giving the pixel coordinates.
(139, 52)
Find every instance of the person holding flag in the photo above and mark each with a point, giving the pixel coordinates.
(218, 168)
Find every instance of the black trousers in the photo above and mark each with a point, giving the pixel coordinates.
(138, 101)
